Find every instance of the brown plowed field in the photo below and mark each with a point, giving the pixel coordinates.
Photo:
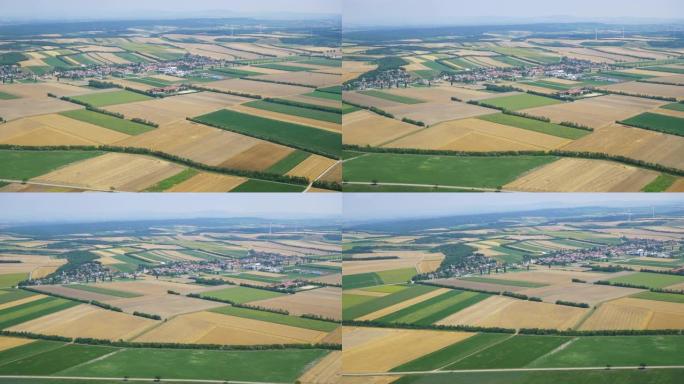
(634, 143)
(307, 78)
(54, 129)
(648, 89)
(583, 175)
(381, 349)
(367, 128)
(258, 87)
(550, 276)
(215, 328)
(500, 311)
(258, 157)
(326, 371)
(74, 293)
(630, 313)
(164, 306)
(580, 293)
(334, 174)
(435, 112)
(87, 321)
(407, 259)
(478, 135)
(439, 93)
(208, 182)
(324, 302)
(155, 287)
(122, 172)
(596, 112)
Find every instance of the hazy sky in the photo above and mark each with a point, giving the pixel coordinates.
(450, 12)
(86, 206)
(365, 206)
(152, 9)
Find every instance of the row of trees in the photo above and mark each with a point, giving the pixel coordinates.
(460, 328)
(371, 108)
(95, 109)
(662, 98)
(648, 127)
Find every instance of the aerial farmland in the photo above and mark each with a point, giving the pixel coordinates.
(226, 105)
(587, 294)
(224, 299)
(529, 107)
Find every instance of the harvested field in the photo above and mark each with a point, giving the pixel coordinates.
(165, 306)
(333, 174)
(439, 93)
(122, 172)
(648, 89)
(29, 263)
(630, 313)
(54, 129)
(324, 302)
(87, 321)
(208, 182)
(584, 175)
(312, 167)
(215, 328)
(155, 287)
(25, 300)
(596, 112)
(367, 128)
(381, 349)
(500, 311)
(258, 157)
(170, 109)
(432, 113)
(353, 69)
(40, 90)
(477, 135)
(459, 283)
(634, 143)
(74, 293)
(23, 107)
(580, 293)
(258, 87)
(11, 342)
(326, 371)
(404, 304)
(550, 276)
(335, 278)
(307, 78)
(369, 101)
(421, 261)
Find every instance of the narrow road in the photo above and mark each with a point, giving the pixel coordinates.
(162, 380)
(56, 185)
(321, 175)
(428, 186)
(512, 370)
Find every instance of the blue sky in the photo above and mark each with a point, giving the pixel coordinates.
(369, 206)
(87, 206)
(153, 9)
(450, 12)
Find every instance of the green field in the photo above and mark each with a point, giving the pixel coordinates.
(659, 376)
(521, 101)
(437, 308)
(234, 72)
(657, 122)
(54, 358)
(292, 110)
(361, 280)
(262, 365)
(299, 136)
(617, 350)
(242, 294)
(462, 63)
(111, 98)
(32, 310)
(294, 321)
(150, 81)
(102, 290)
(9, 295)
(84, 59)
(536, 125)
(378, 303)
(109, 122)
(133, 58)
(516, 352)
(658, 296)
(515, 283)
(349, 300)
(395, 276)
(7, 96)
(324, 95)
(550, 85)
(385, 288)
(453, 353)
(512, 61)
(396, 188)
(474, 172)
(660, 184)
(391, 97)
(21, 165)
(674, 107)
(651, 280)
(665, 69)
(11, 279)
(252, 185)
(176, 179)
(532, 54)
(321, 61)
